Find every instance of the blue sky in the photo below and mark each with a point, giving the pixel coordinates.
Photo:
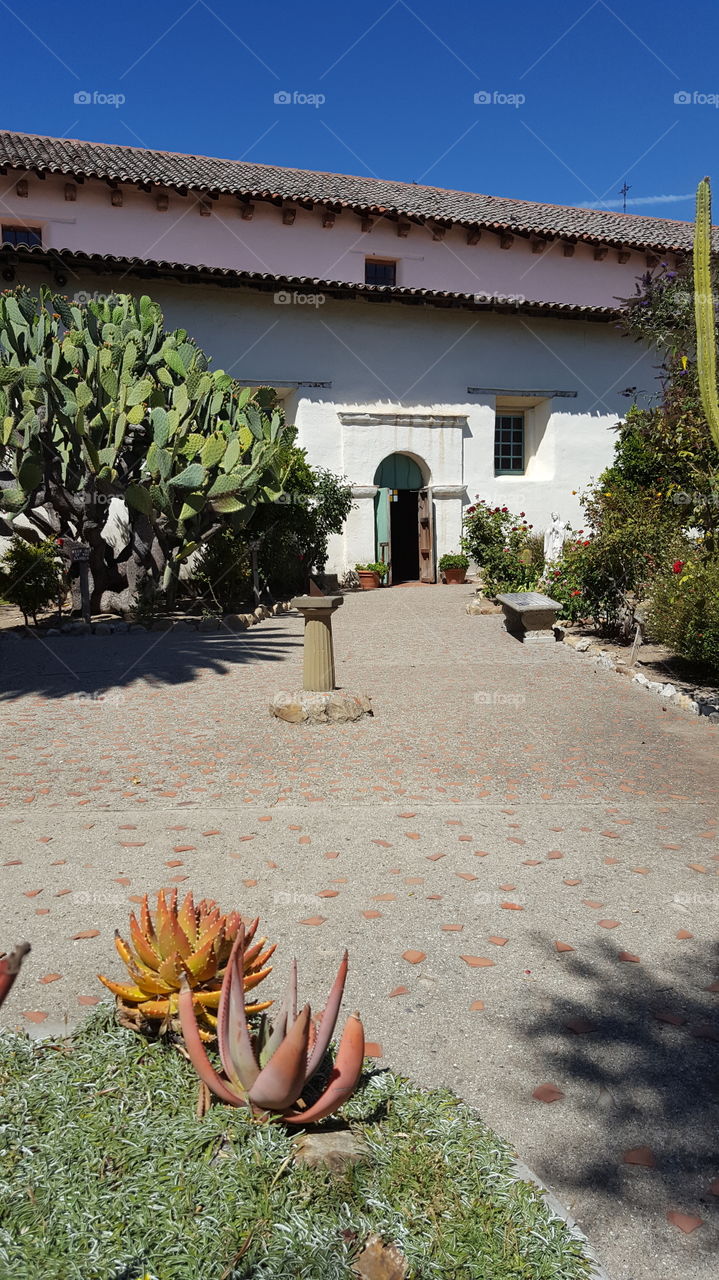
(598, 83)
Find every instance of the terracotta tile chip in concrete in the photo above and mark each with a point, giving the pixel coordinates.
(624, 1042)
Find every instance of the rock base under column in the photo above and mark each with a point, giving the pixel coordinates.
(334, 707)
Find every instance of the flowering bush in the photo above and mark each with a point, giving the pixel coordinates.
(684, 611)
(508, 555)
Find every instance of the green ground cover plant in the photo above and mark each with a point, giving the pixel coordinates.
(106, 1173)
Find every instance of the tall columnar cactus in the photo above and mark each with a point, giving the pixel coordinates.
(704, 309)
(100, 401)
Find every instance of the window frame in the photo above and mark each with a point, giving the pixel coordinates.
(510, 444)
(381, 262)
(20, 227)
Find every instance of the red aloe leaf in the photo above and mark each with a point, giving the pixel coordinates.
(233, 1036)
(197, 1054)
(280, 1083)
(344, 1077)
(328, 1020)
(10, 967)
(288, 1009)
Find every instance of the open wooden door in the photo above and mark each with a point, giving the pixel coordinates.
(426, 536)
(382, 524)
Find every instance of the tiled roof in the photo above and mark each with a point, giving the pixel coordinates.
(369, 196)
(72, 261)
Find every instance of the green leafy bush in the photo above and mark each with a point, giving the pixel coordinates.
(375, 566)
(453, 561)
(223, 574)
(31, 576)
(684, 610)
(509, 556)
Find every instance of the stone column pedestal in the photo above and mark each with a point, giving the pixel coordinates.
(318, 674)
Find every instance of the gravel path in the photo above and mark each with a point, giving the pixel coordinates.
(540, 833)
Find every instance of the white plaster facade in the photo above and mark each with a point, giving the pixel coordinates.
(362, 378)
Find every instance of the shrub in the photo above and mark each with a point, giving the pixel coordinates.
(453, 561)
(31, 576)
(602, 576)
(223, 575)
(509, 556)
(374, 567)
(684, 612)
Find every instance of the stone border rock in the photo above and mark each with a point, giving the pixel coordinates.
(700, 702)
(229, 621)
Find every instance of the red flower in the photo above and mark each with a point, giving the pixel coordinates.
(505, 509)
(521, 513)
(677, 566)
(575, 593)
(585, 544)
(471, 510)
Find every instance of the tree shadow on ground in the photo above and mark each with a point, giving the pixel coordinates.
(67, 666)
(646, 1076)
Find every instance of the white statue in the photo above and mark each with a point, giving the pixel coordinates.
(554, 539)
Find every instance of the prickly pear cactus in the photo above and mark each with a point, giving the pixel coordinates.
(100, 401)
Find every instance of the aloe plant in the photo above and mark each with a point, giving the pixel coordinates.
(269, 1073)
(10, 966)
(704, 309)
(98, 401)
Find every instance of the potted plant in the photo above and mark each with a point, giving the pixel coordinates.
(454, 567)
(370, 575)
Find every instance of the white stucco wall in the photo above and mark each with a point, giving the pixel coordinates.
(405, 370)
(264, 244)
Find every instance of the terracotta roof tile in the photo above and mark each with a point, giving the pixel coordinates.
(371, 196)
(106, 263)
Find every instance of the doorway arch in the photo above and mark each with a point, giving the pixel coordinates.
(403, 531)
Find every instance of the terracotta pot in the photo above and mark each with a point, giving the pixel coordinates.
(454, 575)
(368, 581)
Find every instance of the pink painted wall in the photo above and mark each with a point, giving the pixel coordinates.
(265, 244)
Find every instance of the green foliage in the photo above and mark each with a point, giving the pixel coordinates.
(106, 1171)
(685, 610)
(453, 561)
(30, 576)
(375, 566)
(508, 555)
(223, 574)
(291, 526)
(601, 576)
(100, 400)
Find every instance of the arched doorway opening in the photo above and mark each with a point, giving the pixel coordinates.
(403, 524)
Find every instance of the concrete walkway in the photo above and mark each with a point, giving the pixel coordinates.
(543, 834)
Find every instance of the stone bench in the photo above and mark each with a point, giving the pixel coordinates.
(529, 615)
